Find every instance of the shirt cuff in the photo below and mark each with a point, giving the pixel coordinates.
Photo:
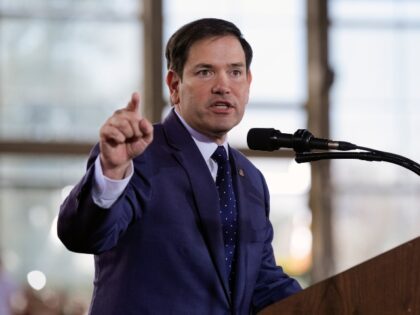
(106, 190)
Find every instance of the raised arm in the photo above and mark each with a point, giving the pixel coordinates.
(83, 225)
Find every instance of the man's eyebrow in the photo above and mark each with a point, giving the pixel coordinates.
(203, 65)
(209, 66)
(237, 65)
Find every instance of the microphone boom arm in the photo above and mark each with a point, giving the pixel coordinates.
(372, 155)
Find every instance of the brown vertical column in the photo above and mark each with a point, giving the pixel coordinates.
(153, 97)
(319, 81)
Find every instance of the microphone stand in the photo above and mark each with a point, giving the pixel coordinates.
(370, 155)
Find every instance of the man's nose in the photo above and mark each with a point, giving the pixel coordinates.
(221, 84)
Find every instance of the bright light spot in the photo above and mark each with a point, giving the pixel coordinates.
(301, 242)
(36, 279)
(285, 176)
(53, 233)
(66, 191)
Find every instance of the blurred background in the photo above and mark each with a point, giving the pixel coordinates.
(343, 69)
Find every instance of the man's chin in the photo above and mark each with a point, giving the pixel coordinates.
(223, 130)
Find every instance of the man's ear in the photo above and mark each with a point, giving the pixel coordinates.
(172, 81)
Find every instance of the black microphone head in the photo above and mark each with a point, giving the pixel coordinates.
(262, 139)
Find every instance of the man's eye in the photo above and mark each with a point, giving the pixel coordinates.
(236, 73)
(204, 72)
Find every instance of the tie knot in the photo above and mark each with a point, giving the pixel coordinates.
(220, 155)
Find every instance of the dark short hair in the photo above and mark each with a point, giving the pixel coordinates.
(179, 44)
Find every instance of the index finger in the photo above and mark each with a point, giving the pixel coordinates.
(134, 103)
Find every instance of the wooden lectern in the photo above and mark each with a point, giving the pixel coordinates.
(388, 284)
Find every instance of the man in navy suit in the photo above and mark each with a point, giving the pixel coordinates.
(148, 206)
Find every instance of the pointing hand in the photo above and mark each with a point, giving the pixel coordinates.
(125, 135)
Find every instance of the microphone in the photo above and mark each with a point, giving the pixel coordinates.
(270, 139)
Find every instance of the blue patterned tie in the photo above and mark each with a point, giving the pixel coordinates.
(228, 211)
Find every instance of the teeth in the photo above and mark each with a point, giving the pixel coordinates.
(222, 105)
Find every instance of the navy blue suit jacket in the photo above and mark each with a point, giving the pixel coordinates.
(159, 248)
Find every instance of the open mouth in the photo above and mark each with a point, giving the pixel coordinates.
(222, 105)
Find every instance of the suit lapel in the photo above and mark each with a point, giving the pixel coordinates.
(204, 191)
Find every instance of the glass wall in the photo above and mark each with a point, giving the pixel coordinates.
(65, 66)
(374, 48)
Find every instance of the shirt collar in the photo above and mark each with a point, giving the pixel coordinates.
(206, 145)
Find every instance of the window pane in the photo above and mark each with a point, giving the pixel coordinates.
(375, 103)
(61, 79)
(369, 222)
(375, 86)
(374, 10)
(81, 7)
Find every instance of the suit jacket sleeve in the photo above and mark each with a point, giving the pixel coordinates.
(85, 227)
